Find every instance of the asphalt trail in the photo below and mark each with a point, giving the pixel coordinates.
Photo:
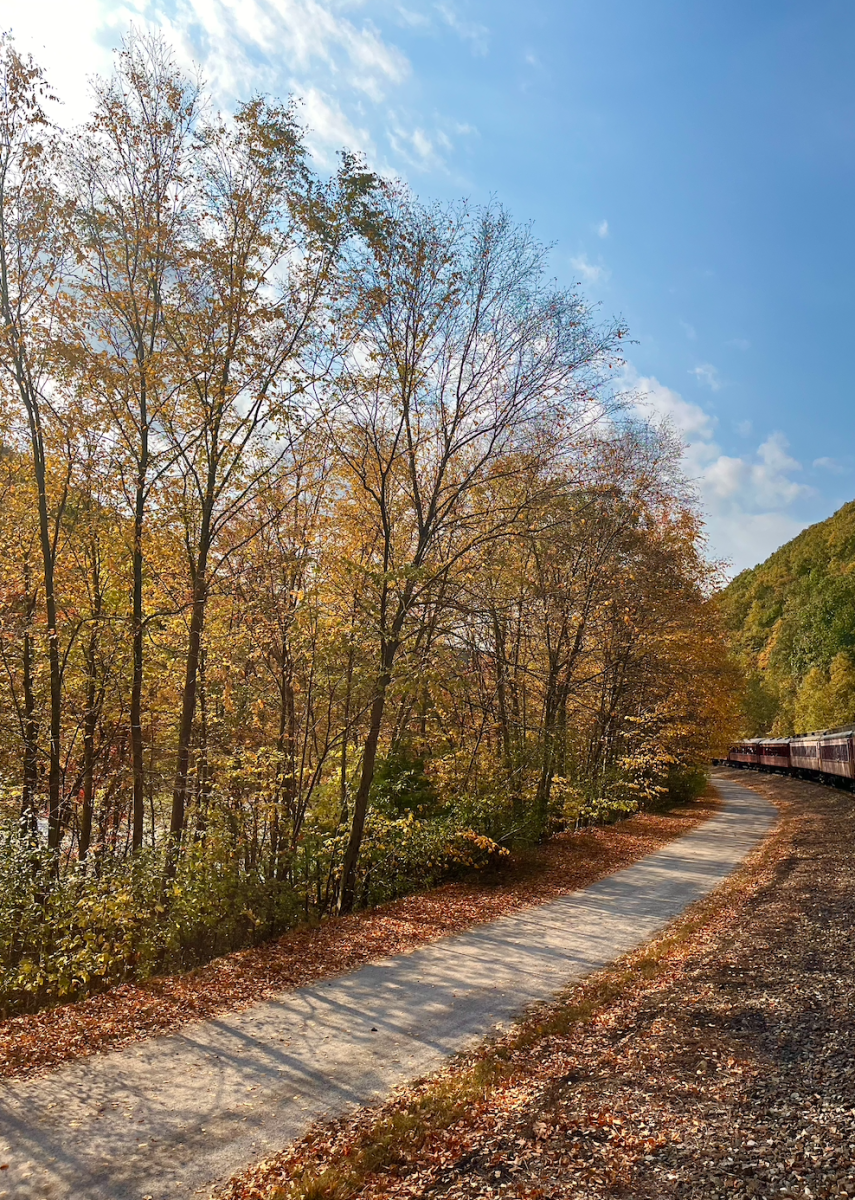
(167, 1118)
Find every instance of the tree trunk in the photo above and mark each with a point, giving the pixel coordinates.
(55, 822)
(347, 894)
(188, 712)
(137, 761)
(90, 722)
(29, 813)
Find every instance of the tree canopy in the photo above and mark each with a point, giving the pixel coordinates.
(331, 559)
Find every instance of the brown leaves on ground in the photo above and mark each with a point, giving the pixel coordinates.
(719, 1062)
(132, 1012)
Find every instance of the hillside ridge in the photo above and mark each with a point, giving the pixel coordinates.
(792, 623)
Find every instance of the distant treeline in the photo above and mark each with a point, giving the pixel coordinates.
(792, 620)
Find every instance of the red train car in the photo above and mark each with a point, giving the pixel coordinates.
(836, 754)
(804, 755)
(827, 756)
(745, 754)
(775, 754)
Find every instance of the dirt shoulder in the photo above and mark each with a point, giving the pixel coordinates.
(719, 1061)
(131, 1013)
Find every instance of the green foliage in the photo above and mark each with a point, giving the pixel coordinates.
(792, 621)
(686, 783)
(65, 934)
(401, 785)
(608, 798)
(826, 698)
(69, 933)
(401, 854)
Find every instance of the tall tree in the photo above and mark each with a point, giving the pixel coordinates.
(246, 333)
(131, 175)
(34, 252)
(465, 363)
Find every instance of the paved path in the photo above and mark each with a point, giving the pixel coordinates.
(166, 1118)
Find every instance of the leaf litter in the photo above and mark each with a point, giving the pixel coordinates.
(132, 1012)
(717, 1062)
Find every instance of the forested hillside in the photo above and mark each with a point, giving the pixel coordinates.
(792, 619)
(330, 563)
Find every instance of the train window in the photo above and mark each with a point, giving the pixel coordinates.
(834, 753)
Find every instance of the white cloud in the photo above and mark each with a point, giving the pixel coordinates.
(321, 50)
(689, 330)
(829, 464)
(329, 128)
(746, 539)
(693, 424)
(746, 498)
(707, 374)
(425, 149)
(766, 479)
(469, 31)
(415, 20)
(589, 272)
(603, 229)
(744, 428)
(417, 147)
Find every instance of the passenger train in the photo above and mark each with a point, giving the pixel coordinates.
(827, 756)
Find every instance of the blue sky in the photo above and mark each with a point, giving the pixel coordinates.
(692, 163)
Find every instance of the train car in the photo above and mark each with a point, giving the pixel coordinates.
(804, 755)
(827, 755)
(744, 754)
(774, 754)
(835, 754)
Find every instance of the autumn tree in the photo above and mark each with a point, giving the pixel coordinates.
(130, 175)
(34, 251)
(463, 355)
(253, 293)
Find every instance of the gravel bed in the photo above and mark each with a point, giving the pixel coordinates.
(728, 1072)
(735, 1076)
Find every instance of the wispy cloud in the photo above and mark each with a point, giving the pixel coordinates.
(415, 20)
(589, 272)
(329, 128)
(244, 44)
(603, 229)
(328, 52)
(477, 35)
(418, 148)
(707, 374)
(689, 330)
(426, 149)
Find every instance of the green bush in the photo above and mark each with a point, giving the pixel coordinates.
(64, 934)
(686, 783)
(406, 854)
(401, 786)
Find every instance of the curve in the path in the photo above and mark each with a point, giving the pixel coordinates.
(166, 1118)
